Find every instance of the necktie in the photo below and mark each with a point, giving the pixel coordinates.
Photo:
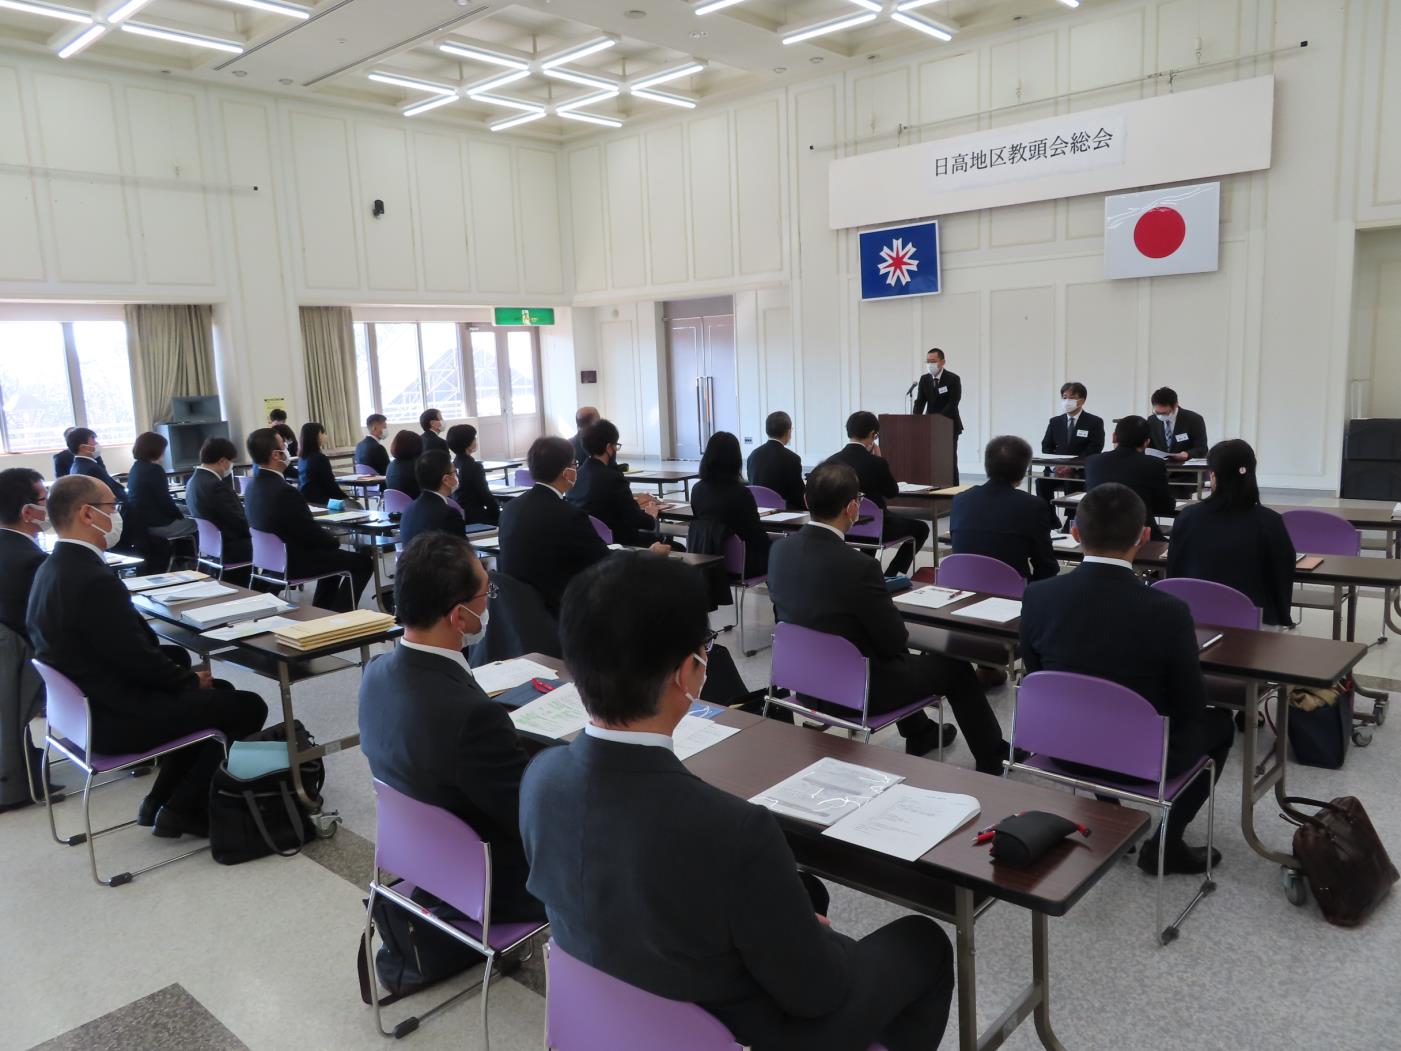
(1069, 430)
(1167, 434)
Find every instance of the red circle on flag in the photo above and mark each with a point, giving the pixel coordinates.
(1159, 232)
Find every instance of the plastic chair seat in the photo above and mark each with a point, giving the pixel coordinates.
(101, 762)
(1147, 789)
(880, 720)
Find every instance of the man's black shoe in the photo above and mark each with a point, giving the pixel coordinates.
(172, 824)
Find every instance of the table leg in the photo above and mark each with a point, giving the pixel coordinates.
(1041, 980)
(289, 723)
(1253, 788)
(376, 557)
(967, 970)
(1033, 1000)
(1351, 614)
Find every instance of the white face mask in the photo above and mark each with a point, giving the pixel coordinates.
(694, 698)
(114, 528)
(1069, 405)
(1163, 417)
(480, 633)
(39, 516)
(932, 369)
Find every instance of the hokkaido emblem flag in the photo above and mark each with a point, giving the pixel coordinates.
(900, 261)
(1171, 231)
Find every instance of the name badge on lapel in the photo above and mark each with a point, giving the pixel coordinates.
(1082, 434)
(1183, 438)
(943, 390)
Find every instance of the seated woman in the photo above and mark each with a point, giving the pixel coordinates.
(317, 479)
(404, 451)
(152, 519)
(721, 496)
(1232, 539)
(472, 493)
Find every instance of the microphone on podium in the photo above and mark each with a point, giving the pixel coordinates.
(912, 388)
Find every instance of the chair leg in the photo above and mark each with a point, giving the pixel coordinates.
(486, 988)
(1162, 858)
(373, 975)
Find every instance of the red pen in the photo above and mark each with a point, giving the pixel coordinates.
(542, 687)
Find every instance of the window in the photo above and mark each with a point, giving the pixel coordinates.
(55, 375)
(486, 373)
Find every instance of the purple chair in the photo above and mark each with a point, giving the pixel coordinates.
(602, 530)
(867, 535)
(270, 565)
(766, 497)
(1316, 532)
(211, 548)
(1064, 718)
(981, 573)
(426, 846)
(455, 506)
(70, 734)
(396, 501)
(1213, 603)
(364, 470)
(735, 553)
(829, 668)
(523, 478)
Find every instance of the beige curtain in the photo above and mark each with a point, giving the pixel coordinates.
(328, 344)
(173, 347)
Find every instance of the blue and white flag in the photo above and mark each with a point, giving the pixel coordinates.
(900, 261)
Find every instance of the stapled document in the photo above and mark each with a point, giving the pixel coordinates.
(826, 790)
(906, 822)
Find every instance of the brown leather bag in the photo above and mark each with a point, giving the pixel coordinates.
(1344, 860)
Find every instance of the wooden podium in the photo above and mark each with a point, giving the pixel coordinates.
(919, 449)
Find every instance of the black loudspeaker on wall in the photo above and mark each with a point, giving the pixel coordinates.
(1372, 460)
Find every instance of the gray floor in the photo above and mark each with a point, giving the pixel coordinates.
(262, 956)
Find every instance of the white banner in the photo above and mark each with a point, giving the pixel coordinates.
(1053, 146)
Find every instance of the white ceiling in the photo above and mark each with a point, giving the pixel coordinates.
(333, 47)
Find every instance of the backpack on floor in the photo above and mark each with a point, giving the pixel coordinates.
(253, 817)
(413, 953)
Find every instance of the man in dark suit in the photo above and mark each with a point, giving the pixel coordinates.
(1102, 620)
(273, 506)
(427, 728)
(816, 581)
(431, 421)
(1002, 521)
(862, 455)
(1179, 433)
(63, 459)
(1074, 432)
(210, 495)
(777, 467)
(1129, 465)
(614, 824)
(22, 516)
(431, 512)
(371, 451)
(603, 491)
(142, 694)
(940, 391)
(82, 443)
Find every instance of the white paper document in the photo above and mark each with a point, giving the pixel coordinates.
(163, 580)
(1075, 498)
(913, 487)
(486, 543)
(906, 822)
(556, 714)
(997, 610)
(930, 597)
(1056, 456)
(192, 592)
(346, 516)
(1396, 511)
(1157, 454)
(694, 735)
(253, 607)
(1065, 543)
(500, 676)
(247, 629)
(1196, 461)
(825, 791)
(785, 516)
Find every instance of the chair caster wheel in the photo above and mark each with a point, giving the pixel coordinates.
(1379, 714)
(1296, 888)
(1362, 738)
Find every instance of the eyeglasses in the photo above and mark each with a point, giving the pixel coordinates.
(491, 592)
(710, 642)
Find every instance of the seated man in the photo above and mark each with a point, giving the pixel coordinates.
(1074, 432)
(603, 491)
(431, 421)
(862, 455)
(1128, 465)
(1003, 521)
(1178, 433)
(816, 581)
(431, 512)
(273, 506)
(210, 496)
(616, 829)
(371, 451)
(1102, 620)
(82, 443)
(63, 459)
(775, 466)
(22, 517)
(427, 728)
(142, 694)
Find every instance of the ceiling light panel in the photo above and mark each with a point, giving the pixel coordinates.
(935, 29)
(427, 104)
(578, 51)
(498, 81)
(835, 25)
(590, 118)
(81, 41)
(380, 77)
(512, 122)
(666, 97)
(177, 37)
(67, 14)
(586, 100)
(587, 80)
(676, 73)
(509, 103)
(123, 11)
(482, 54)
(275, 7)
(708, 6)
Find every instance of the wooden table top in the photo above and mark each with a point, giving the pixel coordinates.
(1348, 570)
(1363, 514)
(665, 475)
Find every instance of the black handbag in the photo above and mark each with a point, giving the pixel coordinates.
(254, 817)
(413, 953)
(1343, 857)
(1320, 735)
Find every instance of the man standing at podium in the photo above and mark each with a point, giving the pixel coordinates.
(940, 391)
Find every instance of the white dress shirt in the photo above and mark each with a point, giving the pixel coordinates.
(651, 740)
(831, 529)
(452, 655)
(82, 543)
(1108, 561)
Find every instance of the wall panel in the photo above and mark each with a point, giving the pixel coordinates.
(324, 202)
(668, 240)
(1021, 324)
(709, 158)
(390, 254)
(948, 87)
(441, 211)
(537, 184)
(623, 184)
(491, 185)
(953, 322)
(1101, 340)
(759, 143)
(23, 257)
(586, 193)
(617, 366)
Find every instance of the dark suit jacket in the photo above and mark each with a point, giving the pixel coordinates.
(20, 559)
(1144, 474)
(430, 513)
(1248, 550)
(95, 469)
(209, 497)
(615, 833)
(276, 507)
(779, 468)
(1102, 620)
(433, 440)
(581, 454)
(429, 731)
(1188, 434)
(732, 505)
(1008, 524)
(400, 476)
(473, 494)
(148, 499)
(545, 541)
(603, 492)
(872, 471)
(373, 454)
(317, 480)
(1061, 439)
(63, 460)
(81, 622)
(941, 397)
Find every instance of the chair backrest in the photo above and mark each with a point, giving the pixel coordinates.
(523, 477)
(601, 529)
(396, 502)
(520, 623)
(243, 481)
(587, 1010)
(1080, 719)
(1321, 532)
(211, 541)
(980, 573)
(766, 497)
(66, 707)
(1213, 603)
(819, 665)
(734, 553)
(269, 552)
(364, 470)
(455, 506)
(433, 849)
(869, 530)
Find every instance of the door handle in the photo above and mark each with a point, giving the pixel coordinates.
(700, 415)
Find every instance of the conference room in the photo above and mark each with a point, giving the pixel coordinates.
(686, 525)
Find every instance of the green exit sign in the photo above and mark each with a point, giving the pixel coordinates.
(525, 315)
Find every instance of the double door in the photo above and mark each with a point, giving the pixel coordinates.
(704, 394)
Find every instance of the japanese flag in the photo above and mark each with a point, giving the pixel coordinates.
(1171, 231)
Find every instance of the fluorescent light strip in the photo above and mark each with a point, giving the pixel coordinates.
(511, 122)
(82, 40)
(499, 81)
(589, 118)
(836, 25)
(1071, 3)
(922, 24)
(427, 104)
(409, 82)
(586, 100)
(588, 80)
(715, 5)
(572, 54)
(509, 103)
(124, 11)
(869, 5)
(213, 43)
(664, 96)
(674, 74)
(910, 5)
(274, 7)
(49, 10)
(482, 55)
